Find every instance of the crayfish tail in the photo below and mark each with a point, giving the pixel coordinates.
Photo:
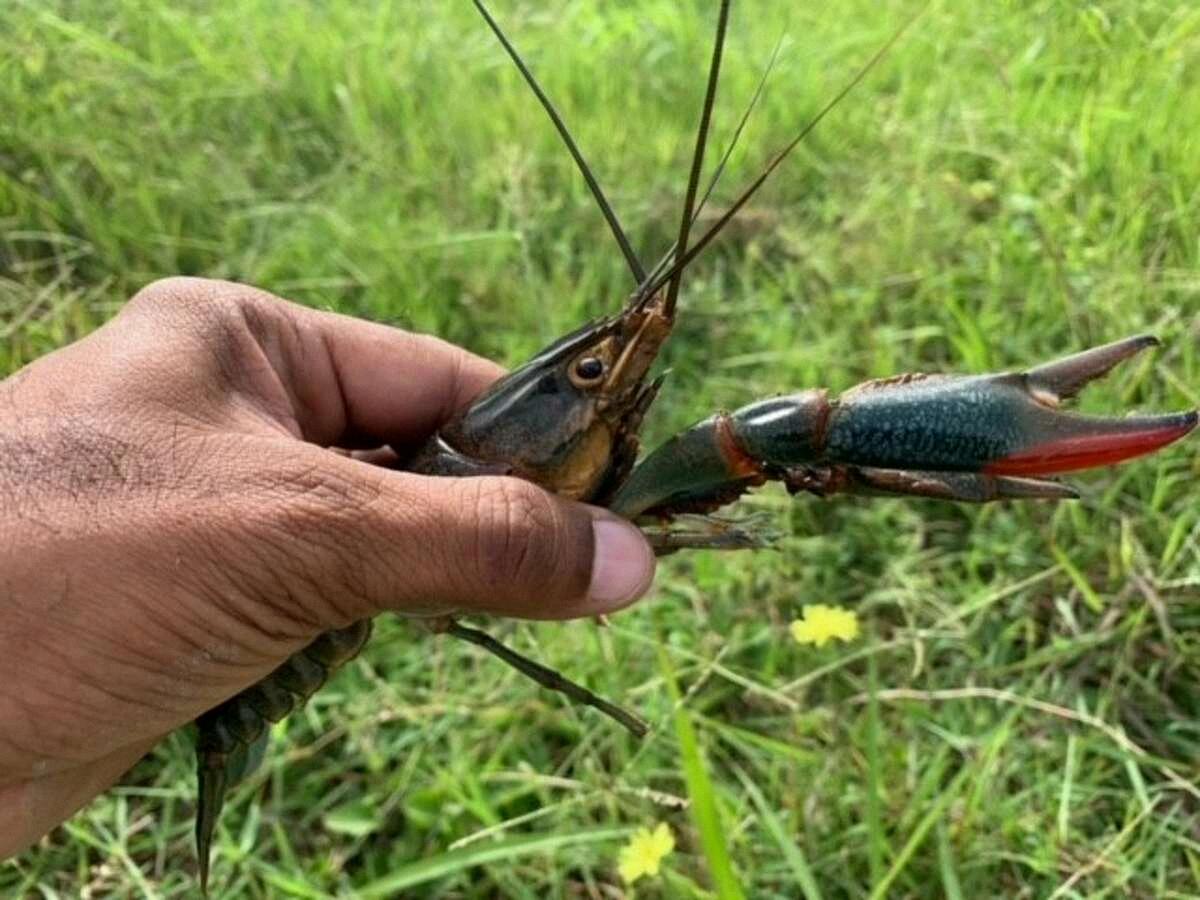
(212, 780)
(232, 738)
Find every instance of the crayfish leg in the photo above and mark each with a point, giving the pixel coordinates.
(707, 532)
(549, 678)
(962, 487)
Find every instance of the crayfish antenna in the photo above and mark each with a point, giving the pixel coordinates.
(685, 255)
(610, 216)
(689, 203)
(669, 256)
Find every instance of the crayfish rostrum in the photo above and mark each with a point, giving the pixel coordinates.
(568, 420)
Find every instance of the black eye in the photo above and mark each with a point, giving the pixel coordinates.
(589, 369)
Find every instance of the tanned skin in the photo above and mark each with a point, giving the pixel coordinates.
(191, 493)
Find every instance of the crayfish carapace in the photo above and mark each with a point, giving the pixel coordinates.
(569, 418)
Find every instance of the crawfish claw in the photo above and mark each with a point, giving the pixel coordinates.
(1058, 442)
(1005, 425)
(957, 437)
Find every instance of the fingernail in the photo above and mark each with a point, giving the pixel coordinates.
(622, 567)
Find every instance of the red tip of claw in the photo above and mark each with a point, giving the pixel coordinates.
(1087, 451)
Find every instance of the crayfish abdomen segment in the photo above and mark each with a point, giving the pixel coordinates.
(230, 737)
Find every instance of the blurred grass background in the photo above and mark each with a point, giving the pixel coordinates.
(1016, 181)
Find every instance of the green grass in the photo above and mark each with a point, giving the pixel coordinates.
(1017, 180)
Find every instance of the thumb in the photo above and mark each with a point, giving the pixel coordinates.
(422, 545)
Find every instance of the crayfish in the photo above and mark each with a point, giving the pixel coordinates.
(569, 418)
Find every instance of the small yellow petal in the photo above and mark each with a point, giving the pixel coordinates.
(820, 624)
(662, 841)
(629, 867)
(644, 852)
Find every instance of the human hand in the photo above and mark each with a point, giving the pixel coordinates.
(174, 524)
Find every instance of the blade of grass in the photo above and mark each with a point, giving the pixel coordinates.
(918, 835)
(456, 861)
(751, 742)
(1095, 604)
(876, 842)
(789, 848)
(1064, 801)
(950, 884)
(705, 813)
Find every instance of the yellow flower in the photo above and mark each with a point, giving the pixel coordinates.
(644, 852)
(821, 623)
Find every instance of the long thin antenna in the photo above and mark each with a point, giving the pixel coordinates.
(661, 265)
(710, 95)
(635, 265)
(686, 255)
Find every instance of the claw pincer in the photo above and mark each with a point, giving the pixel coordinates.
(957, 437)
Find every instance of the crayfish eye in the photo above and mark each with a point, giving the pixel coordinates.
(588, 369)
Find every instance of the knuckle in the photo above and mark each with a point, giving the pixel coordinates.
(203, 306)
(187, 298)
(228, 323)
(306, 523)
(162, 292)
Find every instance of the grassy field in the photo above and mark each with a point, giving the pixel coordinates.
(1017, 180)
